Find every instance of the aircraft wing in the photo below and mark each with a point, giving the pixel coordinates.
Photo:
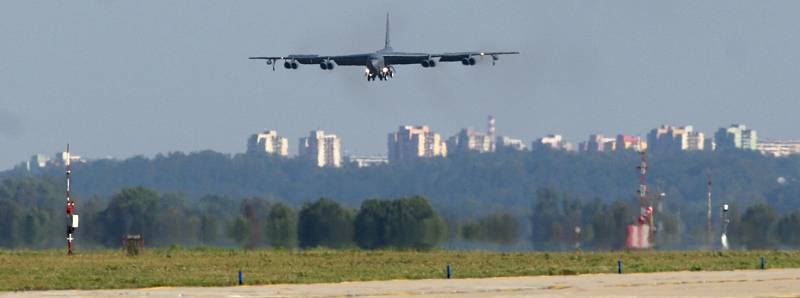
(405, 58)
(357, 59)
(302, 59)
(459, 56)
(417, 58)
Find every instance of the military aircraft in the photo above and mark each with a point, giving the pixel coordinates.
(380, 64)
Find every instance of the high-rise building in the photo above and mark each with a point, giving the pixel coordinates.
(629, 142)
(410, 143)
(268, 142)
(779, 148)
(694, 140)
(737, 136)
(598, 143)
(470, 140)
(507, 143)
(551, 142)
(325, 150)
(668, 138)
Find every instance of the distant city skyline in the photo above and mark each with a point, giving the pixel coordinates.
(412, 142)
(142, 78)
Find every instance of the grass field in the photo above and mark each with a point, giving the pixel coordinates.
(99, 269)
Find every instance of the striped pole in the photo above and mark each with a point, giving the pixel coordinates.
(70, 202)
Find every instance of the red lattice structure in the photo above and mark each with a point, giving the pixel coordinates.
(640, 235)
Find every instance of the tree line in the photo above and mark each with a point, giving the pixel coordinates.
(462, 186)
(32, 216)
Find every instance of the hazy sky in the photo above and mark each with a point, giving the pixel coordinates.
(122, 78)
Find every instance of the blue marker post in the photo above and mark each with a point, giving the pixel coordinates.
(241, 277)
(619, 266)
(449, 271)
(763, 263)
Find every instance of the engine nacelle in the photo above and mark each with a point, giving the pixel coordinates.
(326, 64)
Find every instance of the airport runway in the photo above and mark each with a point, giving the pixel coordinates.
(769, 283)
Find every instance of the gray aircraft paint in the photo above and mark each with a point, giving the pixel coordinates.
(380, 64)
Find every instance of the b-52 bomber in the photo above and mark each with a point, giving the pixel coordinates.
(380, 64)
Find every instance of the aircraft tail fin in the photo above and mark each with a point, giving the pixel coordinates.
(387, 43)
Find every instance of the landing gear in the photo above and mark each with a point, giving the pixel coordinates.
(383, 75)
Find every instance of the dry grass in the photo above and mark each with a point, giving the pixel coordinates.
(102, 269)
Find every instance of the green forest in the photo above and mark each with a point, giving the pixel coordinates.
(505, 201)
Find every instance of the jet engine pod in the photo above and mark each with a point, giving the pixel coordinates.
(432, 63)
(287, 65)
(471, 61)
(294, 65)
(425, 63)
(326, 64)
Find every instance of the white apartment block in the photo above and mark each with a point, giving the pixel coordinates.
(737, 136)
(599, 143)
(629, 142)
(779, 148)
(325, 150)
(268, 142)
(551, 142)
(674, 138)
(693, 141)
(470, 140)
(368, 161)
(414, 142)
(510, 143)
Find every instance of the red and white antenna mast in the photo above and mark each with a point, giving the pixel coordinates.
(72, 218)
(708, 215)
(640, 234)
(642, 181)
